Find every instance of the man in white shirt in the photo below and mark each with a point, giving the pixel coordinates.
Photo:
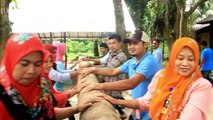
(157, 53)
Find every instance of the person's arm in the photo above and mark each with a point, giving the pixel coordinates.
(125, 84)
(61, 77)
(141, 103)
(134, 104)
(96, 60)
(202, 62)
(62, 113)
(66, 71)
(203, 58)
(100, 71)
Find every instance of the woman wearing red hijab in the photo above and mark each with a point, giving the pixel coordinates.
(61, 97)
(24, 95)
(177, 92)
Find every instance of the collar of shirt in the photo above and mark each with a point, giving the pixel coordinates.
(135, 64)
(114, 54)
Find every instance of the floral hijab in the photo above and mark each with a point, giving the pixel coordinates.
(18, 46)
(61, 97)
(171, 84)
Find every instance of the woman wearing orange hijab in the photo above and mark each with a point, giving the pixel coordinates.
(177, 92)
(24, 94)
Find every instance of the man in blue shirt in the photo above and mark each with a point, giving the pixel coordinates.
(140, 69)
(157, 53)
(206, 64)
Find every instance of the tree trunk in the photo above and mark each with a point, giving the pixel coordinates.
(166, 33)
(119, 22)
(4, 25)
(182, 17)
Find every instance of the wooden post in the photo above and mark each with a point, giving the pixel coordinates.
(102, 110)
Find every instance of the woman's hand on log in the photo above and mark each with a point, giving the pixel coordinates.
(80, 86)
(108, 98)
(83, 106)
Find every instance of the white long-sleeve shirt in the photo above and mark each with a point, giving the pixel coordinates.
(63, 76)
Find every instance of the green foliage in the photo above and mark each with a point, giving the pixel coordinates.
(14, 4)
(79, 47)
(137, 10)
(203, 11)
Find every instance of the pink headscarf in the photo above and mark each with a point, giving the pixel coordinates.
(61, 49)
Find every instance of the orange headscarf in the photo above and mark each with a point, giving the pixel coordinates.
(170, 78)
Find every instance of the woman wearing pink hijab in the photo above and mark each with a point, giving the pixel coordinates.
(60, 52)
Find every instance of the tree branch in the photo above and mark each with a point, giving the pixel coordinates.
(193, 8)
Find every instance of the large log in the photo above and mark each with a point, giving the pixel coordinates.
(102, 110)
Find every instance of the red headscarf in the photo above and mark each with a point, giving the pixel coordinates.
(18, 46)
(52, 49)
(170, 78)
(61, 97)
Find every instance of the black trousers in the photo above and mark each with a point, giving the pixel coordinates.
(118, 107)
(206, 74)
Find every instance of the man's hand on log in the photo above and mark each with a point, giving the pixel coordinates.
(91, 86)
(86, 71)
(85, 59)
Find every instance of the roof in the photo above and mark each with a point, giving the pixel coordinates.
(206, 20)
(200, 26)
(72, 35)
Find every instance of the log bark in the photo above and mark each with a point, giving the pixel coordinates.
(102, 110)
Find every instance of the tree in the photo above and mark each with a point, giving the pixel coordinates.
(183, 15)
(4, 25)
(137, 10)
(119, 22)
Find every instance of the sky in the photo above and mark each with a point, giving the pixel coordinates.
(66, 15)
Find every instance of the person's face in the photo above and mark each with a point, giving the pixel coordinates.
(114, 45)
(202, 47)
(155, 44)
(28, 68)
(103, 50)
(47, 64)
(137, 48)
(185, 62)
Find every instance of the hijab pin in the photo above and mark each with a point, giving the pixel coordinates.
(170, 89)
